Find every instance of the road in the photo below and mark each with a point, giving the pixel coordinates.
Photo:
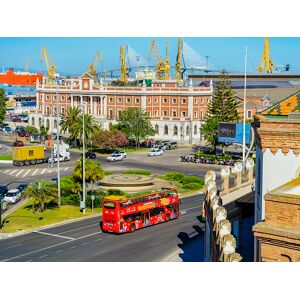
(84, 241)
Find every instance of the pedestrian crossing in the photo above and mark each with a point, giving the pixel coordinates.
(22, 173)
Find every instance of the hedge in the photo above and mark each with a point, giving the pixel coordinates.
(192, 179)
(193, 186)
(213, 156)
(173, 176)
(140, 172)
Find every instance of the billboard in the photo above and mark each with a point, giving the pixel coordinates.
(233, 133)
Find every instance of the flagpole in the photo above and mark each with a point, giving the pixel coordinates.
(244, 117)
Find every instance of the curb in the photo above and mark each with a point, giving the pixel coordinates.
(14, 234)
(6, 161)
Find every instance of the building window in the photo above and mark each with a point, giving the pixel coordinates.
(40, 121)
(249, 113)
(195, 129)
(187, 130)
(201, 115)
(47, 110)
(174, 113)
(207, 101)
(55, 110)
(62, 97)
(149, 101)
(156, 129)
(47, 97)
(55, 123)
(175, 131)
(110, 113)
(62, 110)
(174, 101)
(156, 100)
(195, 114)
(155, 113)
(41, 96)
(183, 114)
(119, 113)
(54, 97)
(32, 121)
(111, 100)
(137, 100)
(195, 101)
(128, 100)
(166, 129)
(149, 113)
(201, 101)
(47, 124)
(165, 113)
(119, 100)
(165, 100)
(183, 101)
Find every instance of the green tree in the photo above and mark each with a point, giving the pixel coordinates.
(109, 139)
(40, 192)
(136, 124)
(31, 129)
(93, 172)
(71, 117)
(90, 127)
(222, 108)
(43, 130)
(2, 106)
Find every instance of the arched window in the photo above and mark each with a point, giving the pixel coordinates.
(187, 130)
(110, 126)
(55, 123)
(156, 129)
(40, 121)
(32, 121)
(195, 129)
(175, 130)
(47, 123)
(166, 129)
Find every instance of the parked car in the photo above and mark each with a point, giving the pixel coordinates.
(89, 154)
(16, 119)
(5, 124)
(172, 145)
(18, 144)
(12, 196)
(115, 157)
(3, 190)
(24, 134)
(156, 152)
(123, 153)
(21, 187)
(7, 129)
(20, 129)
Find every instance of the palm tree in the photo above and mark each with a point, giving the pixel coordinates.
(90, 127)
(41, 191)
(71, 117)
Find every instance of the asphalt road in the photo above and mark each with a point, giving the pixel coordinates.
(84, 241)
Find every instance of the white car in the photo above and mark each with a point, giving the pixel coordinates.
(115, 157)
(155, 152)
(12, 196)
(54, 159)
(123, 153)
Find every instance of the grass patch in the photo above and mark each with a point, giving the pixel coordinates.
(23, 218)
(140, 172)
(5, 157)
(107, 172)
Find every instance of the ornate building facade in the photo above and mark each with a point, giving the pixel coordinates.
(176, 112)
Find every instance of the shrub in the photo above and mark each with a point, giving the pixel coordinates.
(193, 186)
(72, 199)
(114, 192)
(192, 179)
(173, 176)
(140, 172)
(97, 201)
(107, 172)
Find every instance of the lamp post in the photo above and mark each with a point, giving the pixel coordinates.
(57, 146)
(92, 198)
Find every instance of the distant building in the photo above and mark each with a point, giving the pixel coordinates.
(176, 112)
(277, 131)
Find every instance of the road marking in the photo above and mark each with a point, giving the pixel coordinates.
(84, 244)
(100, 252)
(6, 171)
(67, 168)
(11, 173)
(183, 212)
(77, 228)
(34, 172)
(43, 171)
(50, 171)
(56, 235)
(26, 172)
(29, 260)
(12, 246)
(193, 207)
(97, 240)
(43, 256)
(73, 247)
(19, 173)
(59, 251)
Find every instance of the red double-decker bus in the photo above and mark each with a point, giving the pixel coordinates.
(121, 214)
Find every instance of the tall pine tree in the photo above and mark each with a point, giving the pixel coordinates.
(2, 106)
(222, 108)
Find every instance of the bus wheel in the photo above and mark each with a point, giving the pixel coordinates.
(167, 218)
(27, 163)
(132, 228)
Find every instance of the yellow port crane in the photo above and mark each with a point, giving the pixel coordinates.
(92, 67)
(51, 68)
(178, 73)
(266, 59)
(162, 66)
(124, 71)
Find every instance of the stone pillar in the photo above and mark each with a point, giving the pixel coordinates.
(91, 105)
(250, 167)
(225, 172)
(72, 101)
(228, 248)
(237, 169)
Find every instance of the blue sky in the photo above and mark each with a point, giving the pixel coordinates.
(72, 55)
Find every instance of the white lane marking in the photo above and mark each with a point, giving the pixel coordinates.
(19, 173)
(12, 172)
(26, 172)
(100, 252)
(34, 172)
(29, 260)
(12, 246)
(183, 212)
(97, 240)
(43, 171)
(56, 235)
(73, 247)
(50, 171)
(43, 256)
(77, 228)
(84, 244)
(59, 251)
(52, 246)
(193, 207)
(6, 171)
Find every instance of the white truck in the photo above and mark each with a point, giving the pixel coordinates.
(64, 152)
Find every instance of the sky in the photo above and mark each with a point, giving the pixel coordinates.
(73, 55)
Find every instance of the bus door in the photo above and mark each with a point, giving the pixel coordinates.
(146, 218)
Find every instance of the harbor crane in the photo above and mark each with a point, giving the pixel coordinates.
(124, 72)
(162, 66)
(51, 68)
(92, 67)
(178, 68)
(266, 59)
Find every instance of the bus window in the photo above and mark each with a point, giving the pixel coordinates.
(110, 205)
